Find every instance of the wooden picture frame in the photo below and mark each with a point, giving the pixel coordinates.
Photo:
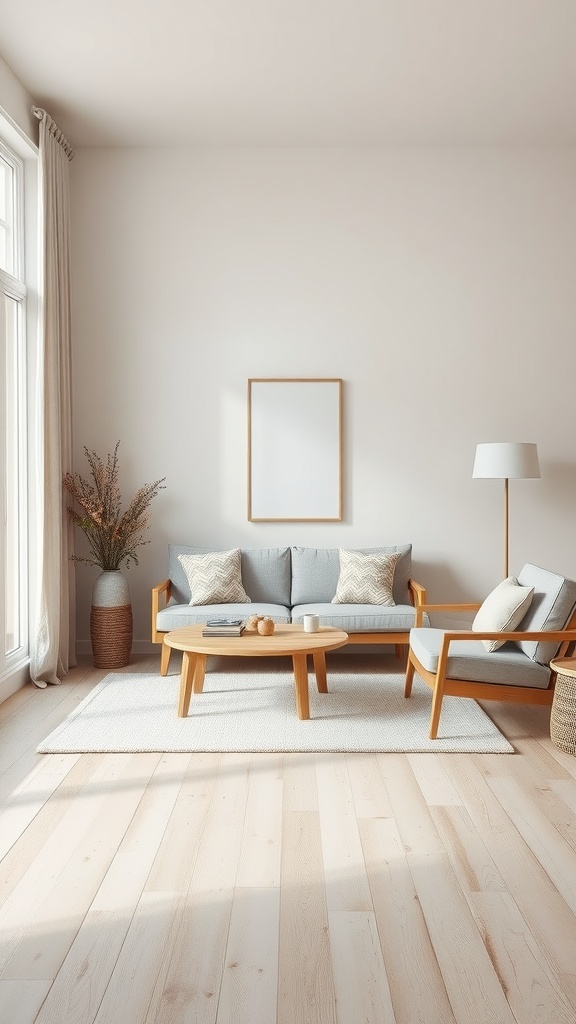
(294, 449)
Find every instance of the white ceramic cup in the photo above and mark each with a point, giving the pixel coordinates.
(311, 623)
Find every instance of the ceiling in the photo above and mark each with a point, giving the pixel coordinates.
(299, 72)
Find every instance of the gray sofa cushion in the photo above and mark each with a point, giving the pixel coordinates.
(175, 616)
(265, 573)
(469, 659)
(553, 602)
(359, 618)
(315, 573)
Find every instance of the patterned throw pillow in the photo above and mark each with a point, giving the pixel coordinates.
(502, 611)
(215, 578)
(365, 579)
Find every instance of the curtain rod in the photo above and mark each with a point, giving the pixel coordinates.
(54, 130)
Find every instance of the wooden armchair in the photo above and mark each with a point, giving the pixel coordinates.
(454, 662)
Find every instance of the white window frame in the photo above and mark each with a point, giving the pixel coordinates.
(22, 286)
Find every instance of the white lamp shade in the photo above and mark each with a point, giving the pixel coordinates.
(506, 460)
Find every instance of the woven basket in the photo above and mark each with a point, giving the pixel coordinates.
(111, 635)
(563, 714)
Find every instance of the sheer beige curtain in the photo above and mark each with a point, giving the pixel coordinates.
(52, 639)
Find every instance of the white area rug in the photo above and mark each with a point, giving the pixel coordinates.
(249, 705)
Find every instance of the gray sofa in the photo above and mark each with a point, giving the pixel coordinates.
(287, 583)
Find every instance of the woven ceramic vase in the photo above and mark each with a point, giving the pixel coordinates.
(111, 620)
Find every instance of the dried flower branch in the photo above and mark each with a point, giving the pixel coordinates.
(113, 535)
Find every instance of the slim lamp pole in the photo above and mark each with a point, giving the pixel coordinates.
(506, 527)
(506, 460)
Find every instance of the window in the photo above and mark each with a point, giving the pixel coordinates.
(13, 412)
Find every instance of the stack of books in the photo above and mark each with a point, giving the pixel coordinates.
(224, 627)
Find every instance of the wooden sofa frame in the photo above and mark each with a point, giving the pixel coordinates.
(400, 639)
(442, 686)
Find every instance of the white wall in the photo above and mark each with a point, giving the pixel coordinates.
(16, 102)
(438, 284)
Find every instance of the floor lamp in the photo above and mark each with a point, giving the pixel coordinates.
(506, 461)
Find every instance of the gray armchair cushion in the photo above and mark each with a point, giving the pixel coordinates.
(469, 659)
(553, 602)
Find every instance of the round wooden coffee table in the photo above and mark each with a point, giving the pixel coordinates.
(287, 639)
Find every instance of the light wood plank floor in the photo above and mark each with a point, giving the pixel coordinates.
(284, 889)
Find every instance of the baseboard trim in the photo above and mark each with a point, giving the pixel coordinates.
(84, 647)
(14, 681)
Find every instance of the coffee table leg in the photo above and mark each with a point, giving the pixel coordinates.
(199, 673)
(186, 677)
(319, 659)
(191, 679)
(301, 681)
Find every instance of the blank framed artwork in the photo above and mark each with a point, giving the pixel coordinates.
(294, 449)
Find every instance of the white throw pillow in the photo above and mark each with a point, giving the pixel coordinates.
(365, 579)
(502, 610)
(215, 578)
